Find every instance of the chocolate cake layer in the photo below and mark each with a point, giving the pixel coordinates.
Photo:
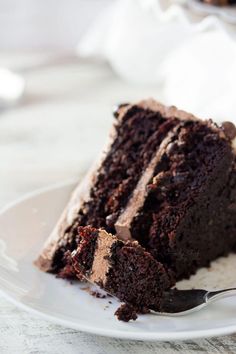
(123, 269)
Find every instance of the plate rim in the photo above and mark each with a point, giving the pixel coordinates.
(117, 333)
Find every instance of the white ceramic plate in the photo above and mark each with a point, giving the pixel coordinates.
(25, 225)
(226, 13)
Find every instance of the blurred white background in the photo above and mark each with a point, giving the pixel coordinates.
(146, 42)
(56, 24)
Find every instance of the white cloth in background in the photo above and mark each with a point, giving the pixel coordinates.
(50, 24)
(163, 42)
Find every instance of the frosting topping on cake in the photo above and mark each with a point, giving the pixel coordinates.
(101, 265)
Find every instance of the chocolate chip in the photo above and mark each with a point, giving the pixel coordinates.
(229, 129)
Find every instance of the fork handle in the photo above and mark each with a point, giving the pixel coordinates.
(212, 296)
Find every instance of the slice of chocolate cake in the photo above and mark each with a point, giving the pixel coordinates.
(123, 269)
(135, 137)
(168, 180)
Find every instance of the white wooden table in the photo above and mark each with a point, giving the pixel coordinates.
(39, 143)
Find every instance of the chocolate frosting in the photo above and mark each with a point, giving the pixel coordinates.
(229, 129)
(101, 262)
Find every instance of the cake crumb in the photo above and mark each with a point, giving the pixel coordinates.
(126, 313)
(97, 294)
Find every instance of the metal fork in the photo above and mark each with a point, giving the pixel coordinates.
(182, 302)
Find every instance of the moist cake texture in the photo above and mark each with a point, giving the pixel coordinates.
(167, 180)
(186, 216)
(123, 269)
